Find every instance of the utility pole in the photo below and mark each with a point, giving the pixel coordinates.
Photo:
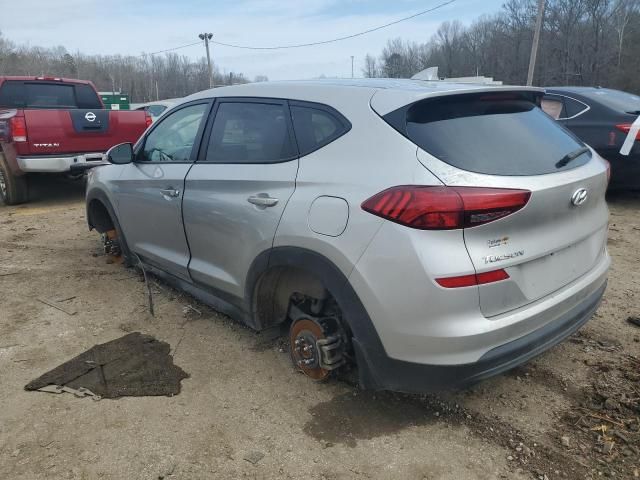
(206, 37)
(536, 40)
(351, 66)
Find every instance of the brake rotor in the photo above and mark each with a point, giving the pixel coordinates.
(303, 335)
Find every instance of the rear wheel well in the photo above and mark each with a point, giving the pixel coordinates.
(275, 289)
(99, 217)
(319, 337)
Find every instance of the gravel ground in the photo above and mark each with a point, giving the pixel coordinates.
(245, 413)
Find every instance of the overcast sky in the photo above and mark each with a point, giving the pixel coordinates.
(134, 27)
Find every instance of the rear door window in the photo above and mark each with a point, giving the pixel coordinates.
(316, 126)
(250, 132)
(495, 134)
(574, 107)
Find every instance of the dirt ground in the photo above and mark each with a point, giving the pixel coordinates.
(245, 413)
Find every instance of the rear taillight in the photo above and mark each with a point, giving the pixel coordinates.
(18, 129)
(625, 127)
(148, 119)
(474, 279)
(445, 208)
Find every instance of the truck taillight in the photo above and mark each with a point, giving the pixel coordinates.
(445, 208)
(17, 129)
(148, 119)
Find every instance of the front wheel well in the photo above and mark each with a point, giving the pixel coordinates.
(98, 217)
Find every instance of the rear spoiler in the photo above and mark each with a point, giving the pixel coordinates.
(386, 101)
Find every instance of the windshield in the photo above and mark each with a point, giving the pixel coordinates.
(496, 134)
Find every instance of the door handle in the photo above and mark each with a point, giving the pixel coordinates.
(263, 200)
(170, 192)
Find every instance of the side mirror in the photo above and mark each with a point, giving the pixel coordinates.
(120, 154)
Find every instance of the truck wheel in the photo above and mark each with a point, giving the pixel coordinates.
(13, 189)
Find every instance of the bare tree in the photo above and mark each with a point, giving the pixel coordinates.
(583, 42)
(370, 69)
(145, 77)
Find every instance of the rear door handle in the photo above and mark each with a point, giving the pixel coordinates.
(263, 200)
(170, 192)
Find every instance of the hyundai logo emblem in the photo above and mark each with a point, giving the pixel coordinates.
(579, 197)
(90, 116)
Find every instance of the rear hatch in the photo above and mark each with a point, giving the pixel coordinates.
(503, 140)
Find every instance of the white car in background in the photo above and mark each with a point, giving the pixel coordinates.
(155, 109)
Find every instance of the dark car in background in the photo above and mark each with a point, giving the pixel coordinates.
(602, 118)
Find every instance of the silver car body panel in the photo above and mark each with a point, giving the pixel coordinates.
(226, 232)
(391, 268)
(151, 218)
(546, 245)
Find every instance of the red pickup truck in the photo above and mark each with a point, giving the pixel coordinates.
(56, 125)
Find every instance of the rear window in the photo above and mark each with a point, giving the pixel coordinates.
(18, 94)
(615, 99)
(495, 134)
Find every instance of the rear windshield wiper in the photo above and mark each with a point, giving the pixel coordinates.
(570, 157)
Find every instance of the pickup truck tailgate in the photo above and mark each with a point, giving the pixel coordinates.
(80, 131)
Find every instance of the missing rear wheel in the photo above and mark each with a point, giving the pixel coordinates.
(317, 345)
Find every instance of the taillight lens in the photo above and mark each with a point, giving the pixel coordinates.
(474, 279)
(18, 129)
(148, 119)
(445, 208)
(625, 127)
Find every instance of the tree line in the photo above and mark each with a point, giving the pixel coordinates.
(144, 78)
(583, 42)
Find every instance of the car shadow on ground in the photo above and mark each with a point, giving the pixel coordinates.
(50, 190)
(624, 197)
(55, 189)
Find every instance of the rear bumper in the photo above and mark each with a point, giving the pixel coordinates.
(382, 372)
(61, 163)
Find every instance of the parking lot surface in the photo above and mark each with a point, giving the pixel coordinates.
(245, 413)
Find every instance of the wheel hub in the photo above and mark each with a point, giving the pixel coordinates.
(304, 336)
(111, 244)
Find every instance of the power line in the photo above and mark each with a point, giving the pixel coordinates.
(171, 49)
(339, 39)
(324, 42)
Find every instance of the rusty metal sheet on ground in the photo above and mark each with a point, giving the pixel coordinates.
(131, 366)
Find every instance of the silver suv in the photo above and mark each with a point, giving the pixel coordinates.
(424, 234)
